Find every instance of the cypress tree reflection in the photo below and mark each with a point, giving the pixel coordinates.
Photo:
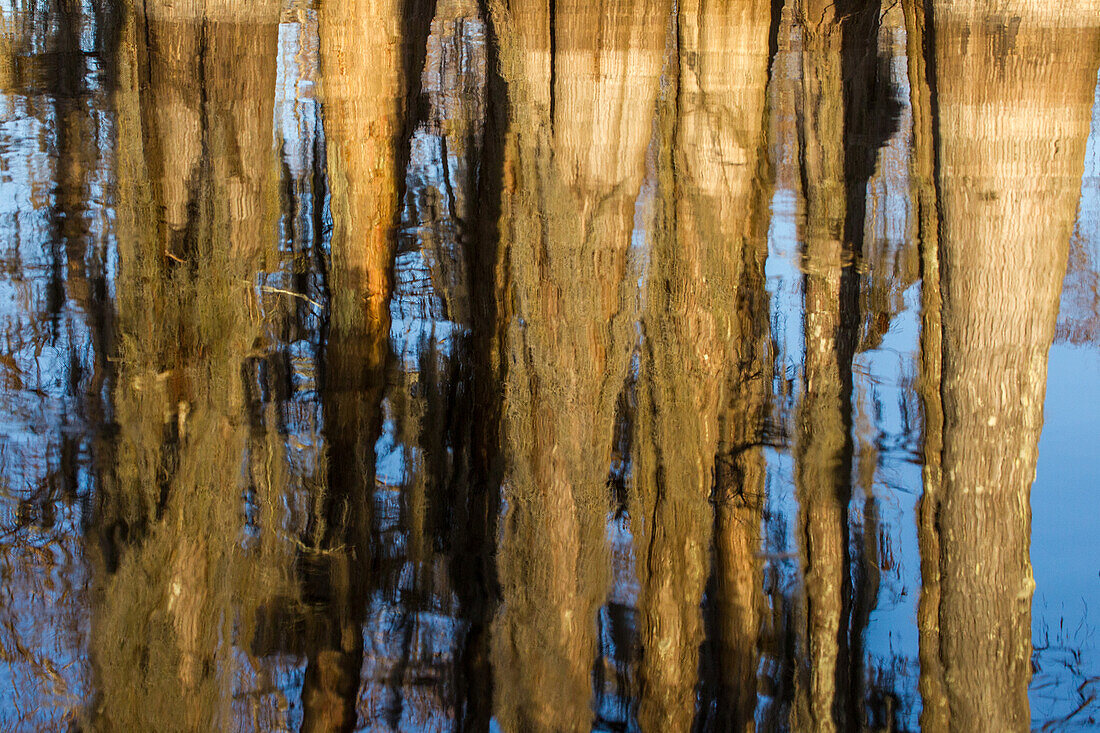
(572, 170)
(1012, 119)
(170, 572)
(371, 54)
(697, 350)
(555, 368)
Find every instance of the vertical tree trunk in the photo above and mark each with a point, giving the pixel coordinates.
(922, 172)
(823, 451)
(371, 55)
(711, 130)
(1015, 88)
(740, 473)
(169, 515)
(582, 84)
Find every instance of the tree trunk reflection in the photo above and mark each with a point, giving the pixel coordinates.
(846, 115)
(582, 84)
(371, 56)
(1015, 87)
(171, 575)
(697, 351)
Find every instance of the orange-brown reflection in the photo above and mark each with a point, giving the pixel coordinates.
(172, 578)
(366, 56)
(824, 446)
(1015, 87)
(582, 81)
(923, 176)
(846, 114)
(699, 325)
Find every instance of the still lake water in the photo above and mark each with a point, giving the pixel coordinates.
(622, 365)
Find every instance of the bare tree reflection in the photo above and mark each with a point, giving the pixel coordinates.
(582, 84)
(169, 566)
(840, 128)
(371, 54)
(1015, 86)
(700, 380)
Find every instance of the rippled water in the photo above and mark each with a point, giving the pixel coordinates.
(535, 365)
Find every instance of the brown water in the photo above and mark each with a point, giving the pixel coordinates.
(549, 365)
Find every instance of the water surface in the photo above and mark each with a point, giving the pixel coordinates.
(619, 365)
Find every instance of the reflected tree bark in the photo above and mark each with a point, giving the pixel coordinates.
(871, 115)
(474, 567)
(843, 121)
(582, 82)
(703, 261)
(740, 486)
(923, 166)
(823, 448)
(458, 437)
(371, 56)
(170, 571)
(741, 472)
(1015, 88)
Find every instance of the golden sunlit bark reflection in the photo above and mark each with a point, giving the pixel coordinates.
(367, 77)
(172, 580)
(711, 147)
(1015, 87)
(582, 86)
(538, 365)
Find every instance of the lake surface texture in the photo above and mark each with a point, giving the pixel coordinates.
(523, 366)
